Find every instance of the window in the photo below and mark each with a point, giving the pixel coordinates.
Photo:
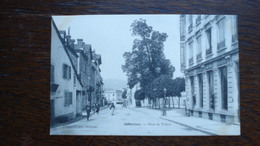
(190, 22)
(237, 74)
(200, 78)
(66, 72)
(190, 19)
(208, 42)
(182, 19)
(68, 98)
(221, 33)
(224, 88)
(191, 53)
(234, 29)
(199, 54)
(192, 91)
(74, 79)
(198, 19)
(234, 24)
(211, 89)
(52, 73)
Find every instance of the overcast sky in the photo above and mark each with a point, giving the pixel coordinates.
(110, 36)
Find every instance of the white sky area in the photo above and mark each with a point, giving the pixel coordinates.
(110, 36)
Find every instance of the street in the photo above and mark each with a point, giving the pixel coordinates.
(126, 121)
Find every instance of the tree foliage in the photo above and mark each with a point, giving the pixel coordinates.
(146, 61)
(139, 95)
(124, 94)
(178, 86)
(174, 87)
(157, 86)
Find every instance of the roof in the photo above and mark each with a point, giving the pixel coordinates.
(83, 54)
(98, 58)
(67, 48)
(88, 49)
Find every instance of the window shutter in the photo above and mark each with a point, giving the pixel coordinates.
(65, 98)
(69, 72)
(64, 71)
(70, 97)
(52, 73)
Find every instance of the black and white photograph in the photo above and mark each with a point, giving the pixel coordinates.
(145, 75)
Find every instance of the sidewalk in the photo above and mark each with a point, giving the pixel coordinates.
(201, 124)
(84, 114)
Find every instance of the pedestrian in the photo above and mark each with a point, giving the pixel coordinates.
(93, 108)
(88, 110)
(97, 108)
(113, 108)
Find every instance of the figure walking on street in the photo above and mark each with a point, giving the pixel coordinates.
(88, 110)
(113, 108)
(97, 108)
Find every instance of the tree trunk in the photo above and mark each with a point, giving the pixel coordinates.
(172, 102)
(179, 102)
(159, 102)
(169, 102)
(154, 103)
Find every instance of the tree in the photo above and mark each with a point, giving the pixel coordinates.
(139, 95)
(178, 86)
(146, 61)
(157, 86)
(124, 94)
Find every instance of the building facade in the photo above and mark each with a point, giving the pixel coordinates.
(75, 78)
(64, 85)
(110, 95)
(210, 62)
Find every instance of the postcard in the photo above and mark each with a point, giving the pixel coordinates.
(144, 75)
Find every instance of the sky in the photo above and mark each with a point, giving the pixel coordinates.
(110, 36)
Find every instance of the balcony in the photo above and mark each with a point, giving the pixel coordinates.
(190, 28)
(208, 51)
(198, 20)
(191, 61)
(199, 56)
(234, 38)
(221, 45)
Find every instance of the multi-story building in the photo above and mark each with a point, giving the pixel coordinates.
(119, 95)
(110, 95)
(65, 82)
(210, 61)
(75, 76)
(89, 73)
(82, 69)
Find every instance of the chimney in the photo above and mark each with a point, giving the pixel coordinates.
(72, 43)
(68, 37)
(80, 42)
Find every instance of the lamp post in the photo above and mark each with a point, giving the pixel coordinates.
(164, 101)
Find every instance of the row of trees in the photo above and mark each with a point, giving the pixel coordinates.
(146, 64)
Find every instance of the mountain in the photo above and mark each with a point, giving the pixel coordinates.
(115, 84)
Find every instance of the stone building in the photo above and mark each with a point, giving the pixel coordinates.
(210, 62)
(83, 63)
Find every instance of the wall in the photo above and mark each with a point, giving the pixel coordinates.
(58, 58)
